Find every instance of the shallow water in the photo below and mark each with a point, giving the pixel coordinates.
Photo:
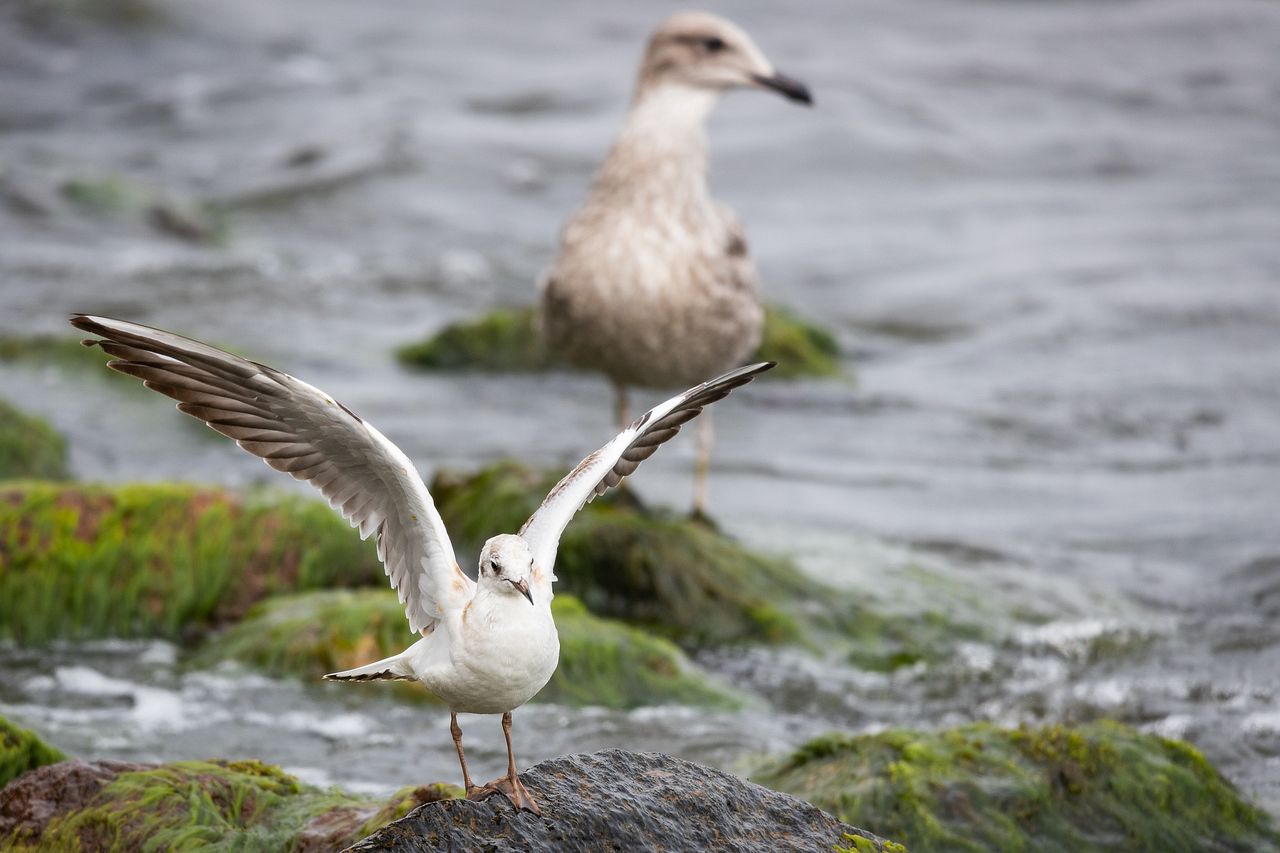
(1046, 233)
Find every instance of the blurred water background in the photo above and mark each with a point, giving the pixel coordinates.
(1046, 233)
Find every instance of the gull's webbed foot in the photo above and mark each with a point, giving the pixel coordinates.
(512, 788)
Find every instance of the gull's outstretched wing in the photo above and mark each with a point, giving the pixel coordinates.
(297, 428)
(605, 468)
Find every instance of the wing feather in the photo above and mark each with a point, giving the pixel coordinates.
(299, 430)
(607, 467)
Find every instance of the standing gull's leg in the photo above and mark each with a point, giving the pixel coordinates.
(462, 759)
(701, 466)
(620, 408)
(509, 784)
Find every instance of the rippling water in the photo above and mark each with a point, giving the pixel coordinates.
(1045, 232)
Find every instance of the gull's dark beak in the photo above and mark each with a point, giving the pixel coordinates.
(793, 89)
(523, 586)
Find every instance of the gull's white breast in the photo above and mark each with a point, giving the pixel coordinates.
(501, 653)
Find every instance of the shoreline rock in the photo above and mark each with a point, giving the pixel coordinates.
(509, 340)
(616, 800)
(1099, 786)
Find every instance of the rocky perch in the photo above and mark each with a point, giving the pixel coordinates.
(615, 800)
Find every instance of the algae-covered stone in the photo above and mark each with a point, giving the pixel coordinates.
(601, 662)
(1101, 786)
(230, 805)
(626, 561)
(160, 560)
(510, 340)
(679, 578)
(22, 750)
(29, 447)
(505, 340)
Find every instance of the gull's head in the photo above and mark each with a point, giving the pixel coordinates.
(707, 53)
(506, 566)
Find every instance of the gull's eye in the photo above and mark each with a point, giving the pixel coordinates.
(493, 565)
(713, 44)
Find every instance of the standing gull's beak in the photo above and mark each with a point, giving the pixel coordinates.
(792, 88)
(523, 586)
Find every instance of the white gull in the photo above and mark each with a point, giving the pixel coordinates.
(487, 646)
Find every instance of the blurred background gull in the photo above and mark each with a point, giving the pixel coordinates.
(1042, 234)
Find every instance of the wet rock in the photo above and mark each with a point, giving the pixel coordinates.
(602, 662)
(28, 804)
(1101, 786)
(615, 800)
(510, 340)
(29, 447)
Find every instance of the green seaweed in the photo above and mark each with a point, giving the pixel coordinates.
(1101, 786)
(601, 662)
(29, 447)
(160, 560)
(504, 340)
(676, 577)
(217, 805)
(510, 340)
(22, 750)
(626, 561)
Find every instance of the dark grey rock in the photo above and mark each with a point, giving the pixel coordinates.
(620, 801)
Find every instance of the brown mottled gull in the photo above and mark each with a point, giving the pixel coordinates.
(652, 285)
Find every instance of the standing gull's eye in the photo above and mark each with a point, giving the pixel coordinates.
(713, 44)
(493, 566)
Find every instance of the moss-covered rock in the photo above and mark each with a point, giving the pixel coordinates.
(160, 560)
(22, 750)
(510, 340)
(627, 561)
(227, 805)
(1102, 786)
(681, 579)
(505, 340)
(601, 662)
(29, 447)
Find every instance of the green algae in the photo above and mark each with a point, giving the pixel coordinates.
(624, 560)
(601, 662)
(680, 579)
(22, 750)
(78, 562)
(1101, 786)
(506, 340)
(217, 805)
(510, 340)
(29, 447)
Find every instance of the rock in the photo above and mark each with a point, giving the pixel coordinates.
(510, 340)
(615, 800)
(160, 560)
(29, 447)
(1101, 786)
(627, 561)
(91, 806)
(29, 803)
(22, 750)
(602, 662)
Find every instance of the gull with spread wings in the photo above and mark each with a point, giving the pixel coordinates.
(488, 645)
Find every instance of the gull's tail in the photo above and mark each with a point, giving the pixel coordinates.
(394, 668)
